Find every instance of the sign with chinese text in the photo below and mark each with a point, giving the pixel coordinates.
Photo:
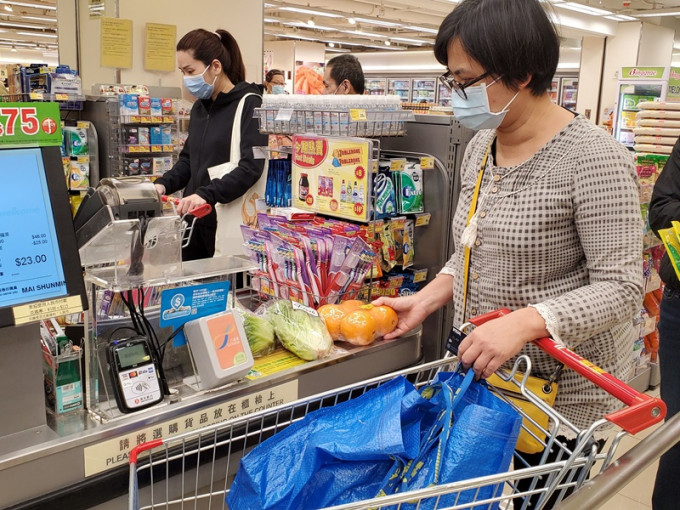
(29, 124)
(115, 452)
(331, 176)
(159, 47)
(116, 43)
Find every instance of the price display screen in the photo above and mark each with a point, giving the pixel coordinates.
(30, 261)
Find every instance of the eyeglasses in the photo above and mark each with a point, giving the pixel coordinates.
(448, 80)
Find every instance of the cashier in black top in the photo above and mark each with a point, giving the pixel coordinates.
(214, 72)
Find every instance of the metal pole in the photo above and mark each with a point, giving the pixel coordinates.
(604, 486)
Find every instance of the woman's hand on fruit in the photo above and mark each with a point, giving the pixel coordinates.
(410, 310)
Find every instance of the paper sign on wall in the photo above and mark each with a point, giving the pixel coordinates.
(159, 47)
(116, 43)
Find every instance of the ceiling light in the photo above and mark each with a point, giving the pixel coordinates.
(331, 44)
(658, 13)
(421, 29)
(38, 18)
(299, 24)
(8, 8)
(365, 34)
(620, 17)
(34, 5)
(38, 34)
(11, 24)
(585, 9)
(378, 22)
(413, 41)
(310, 22)
(271, 20)
(351, 21)
(14, 48)
(307, 11)
(387, 43)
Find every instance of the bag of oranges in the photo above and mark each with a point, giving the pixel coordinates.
(358, 323)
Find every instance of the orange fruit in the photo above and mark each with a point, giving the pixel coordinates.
(385, 318)
(358, 328)
(332, 316)
(351, 304)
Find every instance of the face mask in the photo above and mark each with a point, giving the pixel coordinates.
(278, 89)
(198, 86)
(474, 112)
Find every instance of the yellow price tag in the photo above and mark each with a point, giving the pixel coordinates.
(423, 219)
(61, 97)
(83, 124)
(357, 114)
(46, 309)
(420, 275)
(38, 96)
(426, 163)
(397, 165)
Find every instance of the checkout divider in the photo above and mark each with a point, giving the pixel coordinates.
(79, 459)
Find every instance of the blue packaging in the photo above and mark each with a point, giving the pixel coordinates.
(155, 135)
(156, 108)
(166, 135)
(128, 104)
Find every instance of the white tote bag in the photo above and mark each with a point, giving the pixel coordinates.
(242, 210)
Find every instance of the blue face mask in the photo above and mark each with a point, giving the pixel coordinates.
(278, 89)
(474, 112)
(198, 86)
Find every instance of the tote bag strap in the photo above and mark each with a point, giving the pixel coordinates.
(235, 153)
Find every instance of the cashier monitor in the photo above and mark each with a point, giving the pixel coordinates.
(39, 261)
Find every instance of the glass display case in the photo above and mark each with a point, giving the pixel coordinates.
(424, 90)
(400, 87)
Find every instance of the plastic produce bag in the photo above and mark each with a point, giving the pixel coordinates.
(300, 329)
(391, 439)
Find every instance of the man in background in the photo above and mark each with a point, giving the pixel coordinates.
(343, 75)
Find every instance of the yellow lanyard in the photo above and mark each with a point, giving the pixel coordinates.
(471, 213)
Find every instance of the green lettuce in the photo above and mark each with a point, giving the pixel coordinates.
(260, 334)
(301, 333)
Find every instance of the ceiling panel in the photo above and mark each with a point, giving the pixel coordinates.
(28, 24)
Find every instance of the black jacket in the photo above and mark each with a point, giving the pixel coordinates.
(208, 145)
(665, 207)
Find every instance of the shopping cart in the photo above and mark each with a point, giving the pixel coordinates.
(195, 469)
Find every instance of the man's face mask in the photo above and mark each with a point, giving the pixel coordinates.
(474, 112)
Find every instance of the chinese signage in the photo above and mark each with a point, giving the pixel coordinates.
(29, 124)
(116, 43)
(332, 176)
(159, 47)
(116, 452)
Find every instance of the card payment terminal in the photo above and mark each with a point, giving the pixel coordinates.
(134, 374)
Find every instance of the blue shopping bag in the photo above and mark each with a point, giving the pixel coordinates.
(474, 435)
(334, 455)
(391, 439)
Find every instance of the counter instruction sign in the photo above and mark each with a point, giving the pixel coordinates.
(159, 47)
(116, 43)
(115, 452)
(332, 176)
(29, 125)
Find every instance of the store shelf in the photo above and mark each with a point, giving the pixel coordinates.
(147, 119)
(632, 110)
(147, 149)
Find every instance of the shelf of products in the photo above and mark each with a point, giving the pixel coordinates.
(424, 90)
(399, 87)
(376, 87)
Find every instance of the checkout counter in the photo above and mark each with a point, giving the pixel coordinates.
(79, 459)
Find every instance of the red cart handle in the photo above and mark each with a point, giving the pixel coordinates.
(643, 411)
(199, 212)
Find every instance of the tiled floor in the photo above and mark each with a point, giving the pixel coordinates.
(637, 495)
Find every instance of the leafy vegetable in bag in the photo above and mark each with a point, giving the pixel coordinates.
(260, 334)
(299, 331)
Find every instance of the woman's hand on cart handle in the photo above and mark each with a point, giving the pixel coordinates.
(643, 410)
(189, 203)
(493, 342)
(161, 189)
(199, 212)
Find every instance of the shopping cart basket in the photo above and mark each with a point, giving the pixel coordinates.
(195, 469)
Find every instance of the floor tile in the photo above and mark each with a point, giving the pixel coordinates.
(619, 502)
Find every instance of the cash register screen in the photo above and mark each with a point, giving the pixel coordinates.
(38, 257)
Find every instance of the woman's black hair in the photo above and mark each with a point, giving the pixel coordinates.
(513, 39)
(207, 46)
(273, 72)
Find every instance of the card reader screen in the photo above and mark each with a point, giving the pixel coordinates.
(132, 355)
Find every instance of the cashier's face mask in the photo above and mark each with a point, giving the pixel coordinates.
(474, 112)
(278, 89)
(198, 86)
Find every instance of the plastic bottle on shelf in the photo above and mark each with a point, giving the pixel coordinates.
(349, 192)
(355, 193)
(361, 193)
(343, 192)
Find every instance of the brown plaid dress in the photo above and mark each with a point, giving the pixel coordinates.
(561, 232)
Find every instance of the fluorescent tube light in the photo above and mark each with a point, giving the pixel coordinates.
(308, 26)
(421, 29)
(11, 24)
(38, 18)
(620, 17)
(34, 5)
(413, 41)
(38, 34)
(378, 22)
(653, 14)
(585, 9)
(310, 11)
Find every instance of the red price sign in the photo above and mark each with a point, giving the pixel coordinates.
(333, 205)
(359, 209)
(34, 125)
(309, 200)
(360, 172)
